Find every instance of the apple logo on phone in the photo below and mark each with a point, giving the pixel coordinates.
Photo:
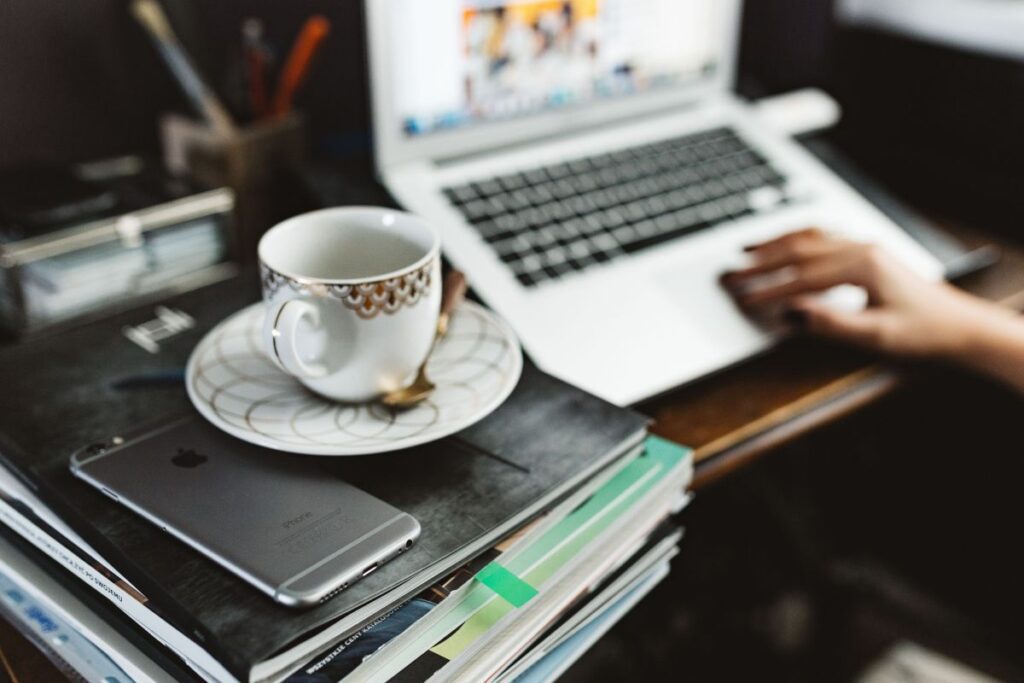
(188, 458)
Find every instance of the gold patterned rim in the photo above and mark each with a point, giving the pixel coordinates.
(367, 299)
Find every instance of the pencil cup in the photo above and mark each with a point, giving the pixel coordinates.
(251, 163)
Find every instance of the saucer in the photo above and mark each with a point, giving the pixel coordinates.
(234, 385)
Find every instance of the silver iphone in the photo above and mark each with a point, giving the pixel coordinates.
(278, 521)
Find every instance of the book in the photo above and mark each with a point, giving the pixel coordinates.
(556, 661)
(55, 619)
(467, 491)
(340, 661)
(475, 634)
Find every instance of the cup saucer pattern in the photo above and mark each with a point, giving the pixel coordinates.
(368, 299)
(233, 383)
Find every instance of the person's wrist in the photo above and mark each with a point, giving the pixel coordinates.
(980, 339)
(969, 328)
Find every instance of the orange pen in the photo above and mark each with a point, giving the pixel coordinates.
(297, 66)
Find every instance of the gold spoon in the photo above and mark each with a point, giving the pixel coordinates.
(453, 292)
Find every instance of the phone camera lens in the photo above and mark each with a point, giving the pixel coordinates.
(95, 449)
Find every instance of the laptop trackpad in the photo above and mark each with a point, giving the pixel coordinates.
(710, 308)
(701, 295)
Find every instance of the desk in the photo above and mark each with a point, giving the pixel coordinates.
(743, 413)
(733, 418)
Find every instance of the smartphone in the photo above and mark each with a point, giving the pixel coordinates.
(278, 521)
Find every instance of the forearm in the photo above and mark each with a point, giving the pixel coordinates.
(994, 345)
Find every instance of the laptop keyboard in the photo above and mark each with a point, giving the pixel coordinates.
(551, 221)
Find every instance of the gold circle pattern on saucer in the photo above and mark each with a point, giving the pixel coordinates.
(233, 383)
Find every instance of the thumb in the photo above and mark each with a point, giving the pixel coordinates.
(862, 328)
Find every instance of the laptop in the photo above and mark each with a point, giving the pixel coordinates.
(593, 173)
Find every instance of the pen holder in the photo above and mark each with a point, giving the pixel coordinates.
(253, 163)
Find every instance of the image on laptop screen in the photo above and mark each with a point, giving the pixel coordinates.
(459, 62)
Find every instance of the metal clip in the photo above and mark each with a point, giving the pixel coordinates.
(168, 322)
(129, 228)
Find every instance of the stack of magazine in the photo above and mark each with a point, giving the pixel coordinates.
(541, 526)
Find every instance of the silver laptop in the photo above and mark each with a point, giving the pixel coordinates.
(593, 173)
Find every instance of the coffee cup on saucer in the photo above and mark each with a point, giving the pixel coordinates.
(352, 298)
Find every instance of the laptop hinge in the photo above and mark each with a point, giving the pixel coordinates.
(442, 162)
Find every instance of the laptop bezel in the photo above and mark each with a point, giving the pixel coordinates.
(392, 147)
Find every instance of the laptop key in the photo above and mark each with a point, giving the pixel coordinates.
(604, 242)
(602, 161)
(711, 212)
(563, 189)
(645, 229)
(536, 177)
(489, 230)
(517, 201)
(592, 224)
(554, 256)
(558, 271)
(539, 194)
(513, 246)
(627, 234)
(736, 205)
(681, 230)
(611, 219)
(530, 263)
(583, 263)
(512, 182)
(636, 211)
(584, 183)
(558, 171)
(542, 237)
(461, 194)
(486, 188)
(477, 210)
(561, 211)
(529, 279)
(579, 250)
(580, 166)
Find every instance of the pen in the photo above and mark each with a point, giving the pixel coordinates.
(296, 68)
(152, 17)
(255, 66)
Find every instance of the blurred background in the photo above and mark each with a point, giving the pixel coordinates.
(935, 117)
(793, 564)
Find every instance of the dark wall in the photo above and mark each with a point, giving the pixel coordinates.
(80, 80)
(785, 45)
(83, 80)
(76, 80)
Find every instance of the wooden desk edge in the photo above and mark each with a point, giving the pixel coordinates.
(728, 453)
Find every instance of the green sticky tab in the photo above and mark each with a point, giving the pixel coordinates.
(507, 585)
(663, 449)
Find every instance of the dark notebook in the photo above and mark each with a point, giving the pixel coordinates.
(466, 491)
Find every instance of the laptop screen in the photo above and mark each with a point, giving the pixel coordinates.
(458, 63)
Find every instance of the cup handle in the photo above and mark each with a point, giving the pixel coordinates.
(280, 330)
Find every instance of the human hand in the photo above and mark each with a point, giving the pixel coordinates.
(906, 314)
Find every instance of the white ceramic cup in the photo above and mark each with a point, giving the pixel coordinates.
(353, 297)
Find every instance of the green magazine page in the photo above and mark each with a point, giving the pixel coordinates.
(569, 537)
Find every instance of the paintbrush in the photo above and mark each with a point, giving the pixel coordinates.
(152, 17)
